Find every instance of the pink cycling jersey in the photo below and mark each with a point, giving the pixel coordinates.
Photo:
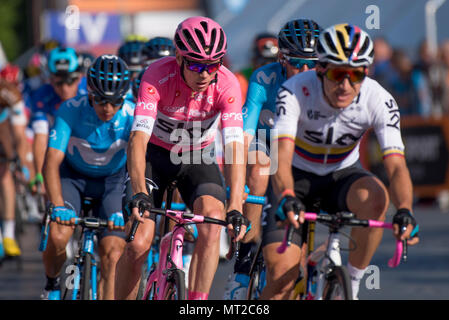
(174, 115)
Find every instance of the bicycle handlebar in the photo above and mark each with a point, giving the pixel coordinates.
(347, 219)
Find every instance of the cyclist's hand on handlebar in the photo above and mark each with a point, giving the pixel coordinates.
(235, 221)
(140, 201)
(405, 226)
(64, 216)
(292, 208)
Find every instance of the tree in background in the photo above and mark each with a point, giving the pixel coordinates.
(13, 26)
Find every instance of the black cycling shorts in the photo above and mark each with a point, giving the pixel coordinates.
(328, 191)
(195, 178)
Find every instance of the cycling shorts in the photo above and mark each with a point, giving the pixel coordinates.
(195, 178)
(106, 190)
(328, 191)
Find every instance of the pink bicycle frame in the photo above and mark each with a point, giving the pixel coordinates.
(171, 242)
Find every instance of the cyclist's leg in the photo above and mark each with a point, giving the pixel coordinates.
(9, 197)
(129, 266)
(112, 243)
(366, 196)
(54, 255)
(202, 189)
(159, 171)
(281, 269)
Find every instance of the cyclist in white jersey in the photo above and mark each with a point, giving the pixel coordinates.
(321, 117)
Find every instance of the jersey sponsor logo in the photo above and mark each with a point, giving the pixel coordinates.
(200, 97)
(231, 100)
(165, 79)
(318, 137)
(90, 156)
(232, 116)
(262, 77)
(314, 114)
(76, 102)
(40, 104)
(151, 90)
(177, 93)
(143, 123)
(280, 103)
(146, 106)
(393, 110)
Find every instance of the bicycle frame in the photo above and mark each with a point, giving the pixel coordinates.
(170, 254)
(87, 248)
(331, 257)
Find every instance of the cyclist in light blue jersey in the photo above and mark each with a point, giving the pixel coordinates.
(296, 40)
(66, 82)
(86, 157)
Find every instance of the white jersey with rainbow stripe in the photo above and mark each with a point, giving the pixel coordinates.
(326, 138)
(174, 115)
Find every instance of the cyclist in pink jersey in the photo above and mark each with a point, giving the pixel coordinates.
(181, 102)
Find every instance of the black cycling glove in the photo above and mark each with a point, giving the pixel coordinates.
(142, 201)
(235, 218)
(287, 204)
(404, 217)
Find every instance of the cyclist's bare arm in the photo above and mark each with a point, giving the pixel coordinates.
(39, 147)
(136, 163)
(52, 178)
(401, 189)
(283, 178)
(235, 173)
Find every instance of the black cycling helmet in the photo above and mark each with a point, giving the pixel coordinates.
(265, 46)
(85, 59)
(299, 38)
(108, 77)
(132, 52)
(136, 84)
(159, 47)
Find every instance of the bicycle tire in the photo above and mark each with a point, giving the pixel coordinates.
(86, 277)
(257, 266)
(338, 284)
(176, 286)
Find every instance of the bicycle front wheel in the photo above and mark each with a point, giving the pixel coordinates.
(86, 277)
(338, 285)
(176, 286)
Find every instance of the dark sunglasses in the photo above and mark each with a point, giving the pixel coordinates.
(69, 81)
(200, 67)
(102, 101)
(298, 63)
(339, 74)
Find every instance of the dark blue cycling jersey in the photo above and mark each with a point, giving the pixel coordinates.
(93, 147)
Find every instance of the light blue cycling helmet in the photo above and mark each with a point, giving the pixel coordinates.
(63, 61)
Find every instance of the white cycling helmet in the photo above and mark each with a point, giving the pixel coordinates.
(345, 44)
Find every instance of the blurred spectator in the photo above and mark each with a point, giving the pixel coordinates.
(435, 72)
(444, 53)
(264, 51)
(381, 69)
(409, 86)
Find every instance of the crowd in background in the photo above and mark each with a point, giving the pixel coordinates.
(420, 87)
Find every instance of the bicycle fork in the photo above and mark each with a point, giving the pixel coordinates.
(329, 258)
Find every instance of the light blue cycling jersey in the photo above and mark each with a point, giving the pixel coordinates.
(93, 147)
(260, 105)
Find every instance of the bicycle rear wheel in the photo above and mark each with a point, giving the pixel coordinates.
(176, 286)
(338, 285)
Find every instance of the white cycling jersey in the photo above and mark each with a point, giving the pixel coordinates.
(326, 138)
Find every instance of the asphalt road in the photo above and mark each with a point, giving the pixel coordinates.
(424, 276)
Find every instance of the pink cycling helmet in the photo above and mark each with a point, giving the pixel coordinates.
(200, 38)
